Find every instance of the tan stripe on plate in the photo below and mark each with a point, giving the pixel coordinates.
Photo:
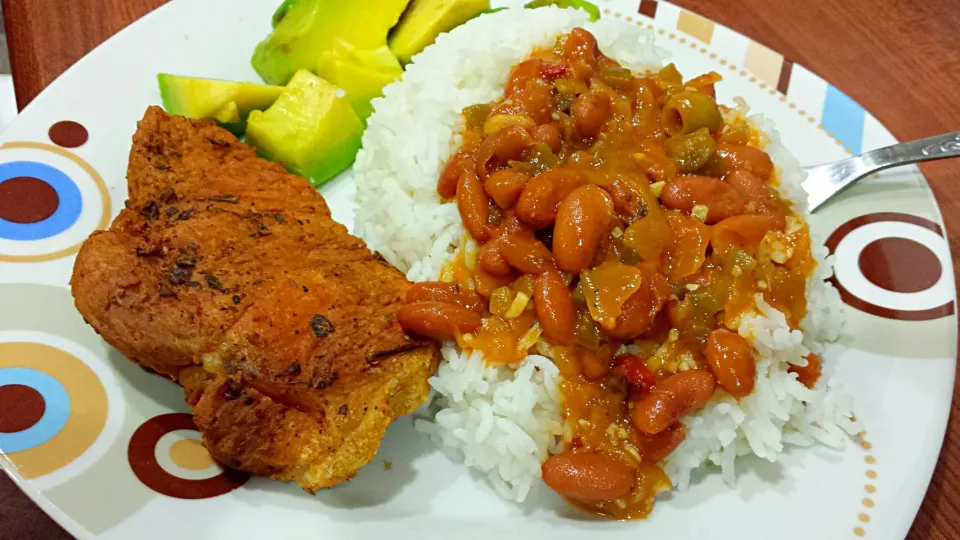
(765, 63)
(696, 26)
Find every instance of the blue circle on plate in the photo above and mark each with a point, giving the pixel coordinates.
(55, 414)
(66, 214)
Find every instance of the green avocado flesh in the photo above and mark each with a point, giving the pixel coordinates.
(226, 102)
(361, 73)
(305, 29)
(424, 20)
(310, 129)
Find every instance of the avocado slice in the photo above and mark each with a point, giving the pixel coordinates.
(591, 9)
(226, 102)
(311, 129)
(427, 19)
(308, 28)
(361, 73)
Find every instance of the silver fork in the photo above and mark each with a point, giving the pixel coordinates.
(825, 181)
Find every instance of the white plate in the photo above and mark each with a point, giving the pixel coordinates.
(74, 460)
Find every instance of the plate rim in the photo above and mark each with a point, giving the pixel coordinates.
(904, 525)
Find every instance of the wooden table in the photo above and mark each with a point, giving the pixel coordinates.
(898, 59)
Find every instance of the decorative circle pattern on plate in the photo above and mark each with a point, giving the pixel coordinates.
(56, 403)
(50, 199)
(37, 201)
(68, 134)
(54, 408)
(25, 199)
(891, 265)
(21, 407)
(169, 466)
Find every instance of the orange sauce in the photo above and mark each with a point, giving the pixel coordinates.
(607, 287)
(501, 340)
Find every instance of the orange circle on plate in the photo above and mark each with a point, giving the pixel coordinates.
(190, 454)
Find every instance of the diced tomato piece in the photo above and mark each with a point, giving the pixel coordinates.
(552, 71)
(634, 370)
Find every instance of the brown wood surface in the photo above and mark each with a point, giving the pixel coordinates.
(898, 58)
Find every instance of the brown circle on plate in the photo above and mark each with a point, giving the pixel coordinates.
(142, 456)
(833, 242)
(900, 265)
(25, 199)
(20, 408)
(68, 134)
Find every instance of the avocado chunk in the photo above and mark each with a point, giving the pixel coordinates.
(591, 9)
(306, 29)
(226, 102)
(427, 19)
(361, 73)
(311, 129)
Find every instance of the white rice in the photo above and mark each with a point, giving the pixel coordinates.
(501, 421)
(505, 420)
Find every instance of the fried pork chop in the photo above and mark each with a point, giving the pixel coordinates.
(228, 275)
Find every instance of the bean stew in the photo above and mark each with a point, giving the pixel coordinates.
(620, 223)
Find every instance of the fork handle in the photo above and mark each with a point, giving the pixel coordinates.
(938, 147)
